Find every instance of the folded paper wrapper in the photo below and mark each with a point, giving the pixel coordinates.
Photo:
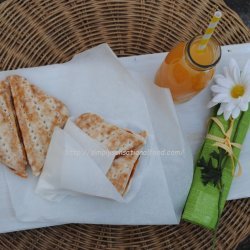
(202, 204)
(77, 165)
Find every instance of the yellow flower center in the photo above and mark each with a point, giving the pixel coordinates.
(238, 90)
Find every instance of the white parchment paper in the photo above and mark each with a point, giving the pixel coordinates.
(96, 82)
(193, 118)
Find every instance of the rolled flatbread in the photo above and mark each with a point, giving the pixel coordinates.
(113, 137)
(125, 143)
(37, 114)
(11, 148)
(123, 168)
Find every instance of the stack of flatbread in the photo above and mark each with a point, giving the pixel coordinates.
(126, 144)
(28, 117)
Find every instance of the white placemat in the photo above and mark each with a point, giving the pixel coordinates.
(154, 204)
(192, 115)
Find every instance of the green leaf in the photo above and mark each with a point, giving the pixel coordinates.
(211, 171)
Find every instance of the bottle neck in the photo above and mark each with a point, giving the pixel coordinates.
(202, 60)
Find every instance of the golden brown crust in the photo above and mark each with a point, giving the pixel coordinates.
(113, 137)
(38, 114)
(120, 172)
(125, 142)
(123, 168)
(11, 148)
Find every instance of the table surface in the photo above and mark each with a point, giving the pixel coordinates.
(242, 7)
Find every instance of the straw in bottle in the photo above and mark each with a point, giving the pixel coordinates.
(210, 30)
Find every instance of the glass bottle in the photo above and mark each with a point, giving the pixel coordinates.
(186, 70)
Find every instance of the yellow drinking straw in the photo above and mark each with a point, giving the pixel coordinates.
(210, 30)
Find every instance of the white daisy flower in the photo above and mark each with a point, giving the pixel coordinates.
(231, 90)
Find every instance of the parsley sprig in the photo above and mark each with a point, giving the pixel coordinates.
(211, 171)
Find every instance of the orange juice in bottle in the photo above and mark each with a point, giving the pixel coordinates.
(187, 70)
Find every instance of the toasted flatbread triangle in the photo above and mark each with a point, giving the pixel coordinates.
(11, 149)
(123, 168)
(38, 114)
(113, 137)
(126, 144)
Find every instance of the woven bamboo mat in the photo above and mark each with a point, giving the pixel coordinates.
(39, 32)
